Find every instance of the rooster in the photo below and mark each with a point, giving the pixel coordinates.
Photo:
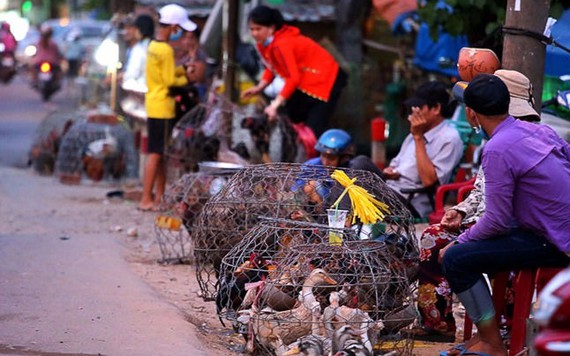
(232, 287)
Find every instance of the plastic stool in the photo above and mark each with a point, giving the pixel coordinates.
(525, 284)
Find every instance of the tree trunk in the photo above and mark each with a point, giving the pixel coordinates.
(523, 53)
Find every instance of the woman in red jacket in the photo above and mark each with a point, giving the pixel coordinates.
(313, 79)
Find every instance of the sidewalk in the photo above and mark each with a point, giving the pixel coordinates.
(67, 284)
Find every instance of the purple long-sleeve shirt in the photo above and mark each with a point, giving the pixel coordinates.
(527, 184)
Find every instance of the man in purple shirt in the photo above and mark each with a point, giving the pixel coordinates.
(526, 223)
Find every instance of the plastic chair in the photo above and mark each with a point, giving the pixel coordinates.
(440, 193)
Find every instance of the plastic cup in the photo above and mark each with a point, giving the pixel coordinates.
(337, 219)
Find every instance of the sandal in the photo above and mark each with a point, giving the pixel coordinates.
(461, 348)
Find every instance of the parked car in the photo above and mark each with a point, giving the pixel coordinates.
(91, 33)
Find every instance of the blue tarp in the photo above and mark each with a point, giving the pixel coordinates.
(557, 61)
(441, 56)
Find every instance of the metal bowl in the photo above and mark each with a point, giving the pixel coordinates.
(219, 167)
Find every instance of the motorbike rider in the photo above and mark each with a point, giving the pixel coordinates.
(7, 39)
(47, 51)
(7, 53)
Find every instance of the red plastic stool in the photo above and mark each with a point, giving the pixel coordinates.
(525, 284)
(499, 288)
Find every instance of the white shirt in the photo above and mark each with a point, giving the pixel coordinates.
(134, 77)
(444, 148)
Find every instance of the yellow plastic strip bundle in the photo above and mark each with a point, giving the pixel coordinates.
(168, 222)
(364, 205)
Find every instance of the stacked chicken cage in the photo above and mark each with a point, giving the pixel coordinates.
(288, 191)
(291, 285)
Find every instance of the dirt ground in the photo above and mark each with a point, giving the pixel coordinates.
(177, 283)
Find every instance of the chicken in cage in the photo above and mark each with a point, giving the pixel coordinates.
(260, 251)
(48, 137)
(182, 203)
(290, 191)
(341, 296)
(98, 150)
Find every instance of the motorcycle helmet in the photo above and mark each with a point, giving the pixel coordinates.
(334, 141)
(46, 30)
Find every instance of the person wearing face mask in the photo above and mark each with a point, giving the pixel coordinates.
(313, 79)
(435, 298)
(161, 74)
(527, 199)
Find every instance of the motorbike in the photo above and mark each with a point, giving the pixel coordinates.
(7, 65)
(553, 315)
(48, 79)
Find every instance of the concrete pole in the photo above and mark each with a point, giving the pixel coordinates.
(230, 28)
(523, 53)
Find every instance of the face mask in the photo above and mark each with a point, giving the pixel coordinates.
(267, 41)
(478, 131)
(175, 36)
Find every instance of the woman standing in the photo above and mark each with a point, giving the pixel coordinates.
(194, 60)
(313, 79)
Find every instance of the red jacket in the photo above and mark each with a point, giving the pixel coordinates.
(301, 62)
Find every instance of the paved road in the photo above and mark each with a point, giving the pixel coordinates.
(21, 109)
(65, 287)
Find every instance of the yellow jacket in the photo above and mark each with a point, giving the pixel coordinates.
(161, 74)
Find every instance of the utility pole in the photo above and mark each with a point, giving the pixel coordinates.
(230, 33)
(521, 52)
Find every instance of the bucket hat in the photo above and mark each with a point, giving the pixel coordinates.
(520, 91)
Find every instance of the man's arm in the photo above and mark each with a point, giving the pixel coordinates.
(426, 168)
(418, 127)
(499, 191)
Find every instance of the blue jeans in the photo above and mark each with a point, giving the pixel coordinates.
(464, 264)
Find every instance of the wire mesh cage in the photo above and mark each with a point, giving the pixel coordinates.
(203, 133)
(48, 136)
(98, 150)
(189, 144)
(289, 191)
(288, 281)
(182, 203)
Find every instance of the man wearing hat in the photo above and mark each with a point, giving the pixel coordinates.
(432, 149)
(526, 220)
(161, 74)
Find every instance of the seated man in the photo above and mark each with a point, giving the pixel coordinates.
(526, 221)
(432, 149)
